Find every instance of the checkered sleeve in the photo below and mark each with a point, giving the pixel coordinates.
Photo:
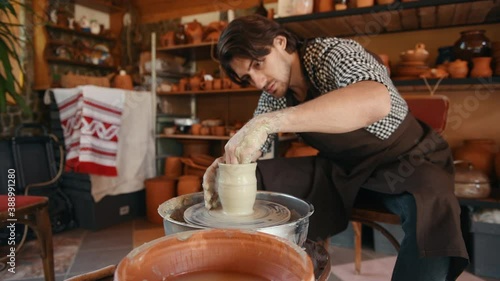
(267, 103)
(334, 63)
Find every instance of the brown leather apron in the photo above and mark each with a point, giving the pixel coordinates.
(413, 159)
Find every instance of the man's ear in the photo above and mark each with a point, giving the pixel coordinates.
(280, 41)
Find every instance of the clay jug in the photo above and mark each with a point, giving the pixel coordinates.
(479, 152)
(173, 167)
(194, 32)
(194, 83)
(458, 69)
(123, 81)
(481, 67)
(237, 187)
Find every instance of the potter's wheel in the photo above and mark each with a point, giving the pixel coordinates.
(265, 214)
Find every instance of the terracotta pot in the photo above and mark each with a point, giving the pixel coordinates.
(223, 254)
(458, 69)
(158, 190)
(188, 184)
(323, 6)
(479, 152)
(167, 39)
(196, 129)
(194, 31)
(194, 146)
(194, 83)
(205, 131)
(123, 81)
(207, 85)
(481, 67)
(217, 84)
(237, 187)
(173, 167)
(226, 83)
(364, 3)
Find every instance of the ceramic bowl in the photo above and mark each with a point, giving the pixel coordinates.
(217, 254)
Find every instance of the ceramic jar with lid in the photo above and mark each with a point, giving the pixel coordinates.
(470, 182)
(472, 43)
(480, 153)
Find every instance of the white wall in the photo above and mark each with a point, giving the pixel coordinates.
(100, 17)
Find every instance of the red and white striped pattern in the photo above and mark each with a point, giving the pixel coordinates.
(91, 118)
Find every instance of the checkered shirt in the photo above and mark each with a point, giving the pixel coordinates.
(334, 63)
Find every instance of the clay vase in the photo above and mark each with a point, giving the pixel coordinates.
(458, 69)
(364, 3)
(481, 67)
(158, 190)
(123, 81)
(194, 83)
(194, 32)
(217, 254)
(217, 84)
(480, 152)
(472, 43)
(237, 187)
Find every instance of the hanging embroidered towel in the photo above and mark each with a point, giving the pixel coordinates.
(91, 119)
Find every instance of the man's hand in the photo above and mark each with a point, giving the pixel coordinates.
(209, 184)
(244, 146)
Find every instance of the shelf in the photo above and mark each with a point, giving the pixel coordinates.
(100, 5)
(195, 51)
(493, 201)
(80, 33)
(449, 81)
(69, 45)
(211, 92)
(396, 17)
(78, 63)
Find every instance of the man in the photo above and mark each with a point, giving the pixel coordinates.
(340, 100)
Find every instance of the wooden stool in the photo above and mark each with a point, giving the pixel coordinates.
(32, 211)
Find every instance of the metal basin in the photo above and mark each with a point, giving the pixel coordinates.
(295, 230)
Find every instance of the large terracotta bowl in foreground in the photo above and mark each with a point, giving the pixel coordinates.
(217, 251)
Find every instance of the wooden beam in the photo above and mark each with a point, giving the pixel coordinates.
(158, 10)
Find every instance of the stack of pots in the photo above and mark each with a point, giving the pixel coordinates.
(181, 176)
(475, 48)
(482, 155)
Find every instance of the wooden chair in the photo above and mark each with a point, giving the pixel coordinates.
(432, 110)
(32, 211)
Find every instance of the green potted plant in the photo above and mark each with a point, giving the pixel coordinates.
(10, 48)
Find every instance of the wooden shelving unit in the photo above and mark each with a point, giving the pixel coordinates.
(200, 51)
(100, 5)
(80, 33)
(449, 81)
(396, 17)
(211, 92)
(79, 63)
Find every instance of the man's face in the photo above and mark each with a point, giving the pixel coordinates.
(270, 73)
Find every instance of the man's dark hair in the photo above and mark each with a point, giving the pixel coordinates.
(250, 37)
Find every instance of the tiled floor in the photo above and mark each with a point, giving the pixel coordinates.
(79, 251)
